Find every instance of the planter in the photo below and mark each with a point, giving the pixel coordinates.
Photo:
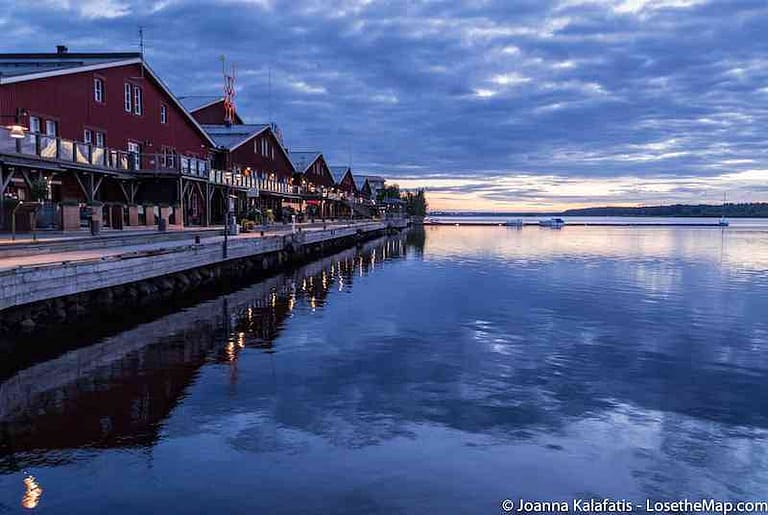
(133, 215)
(149, 215)
(70, 217)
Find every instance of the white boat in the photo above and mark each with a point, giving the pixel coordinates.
(552, 222)
(723, 222)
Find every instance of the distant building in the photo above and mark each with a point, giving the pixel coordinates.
(254, 151)
(376, 184)
(317, 184)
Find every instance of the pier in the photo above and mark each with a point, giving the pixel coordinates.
(57, 286)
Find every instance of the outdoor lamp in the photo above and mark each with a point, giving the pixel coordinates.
(18, 131)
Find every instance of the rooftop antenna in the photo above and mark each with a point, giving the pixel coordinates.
(229, 92)
(141, 49)
(269, 94)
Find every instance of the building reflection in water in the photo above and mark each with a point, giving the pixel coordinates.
(117, 392)
(32, 493)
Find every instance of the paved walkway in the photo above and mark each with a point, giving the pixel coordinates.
(99, 253)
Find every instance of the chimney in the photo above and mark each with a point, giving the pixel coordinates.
(61, 49)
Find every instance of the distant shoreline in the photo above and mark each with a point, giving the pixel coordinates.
(752, 210)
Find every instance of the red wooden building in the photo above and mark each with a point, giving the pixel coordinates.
(316, 183)
(255, 152)
(100, 128)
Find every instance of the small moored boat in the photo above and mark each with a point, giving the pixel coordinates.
(552, 222)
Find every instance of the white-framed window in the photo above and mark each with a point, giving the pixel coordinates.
(100, 139)
(138, 106)
(127, 98)
(134, 149)
(98, 90)
(51, 128)
(272, 149)
(87, 136)
(163, 114)
(34, 124)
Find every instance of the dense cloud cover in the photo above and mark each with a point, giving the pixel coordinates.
(491, 103)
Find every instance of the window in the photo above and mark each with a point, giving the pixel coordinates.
(99, 139)
(34, 124)
(128, 104)
(138, 106)
(135, 155)
(98, 90)
(163, 114)
(87, 136)
(51, 128)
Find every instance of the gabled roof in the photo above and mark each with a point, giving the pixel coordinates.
(20, 67)
(360, 181)
(23, 67)
(196, 102)
(303, 160)
(338, 172)
(233, 136)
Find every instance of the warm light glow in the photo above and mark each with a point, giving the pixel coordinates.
(32, 494)
(17, 131)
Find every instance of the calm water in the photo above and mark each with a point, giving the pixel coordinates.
(438, 373)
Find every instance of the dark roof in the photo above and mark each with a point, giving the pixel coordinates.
(15, 65)
(359, 181)
(194, 102)
(232, 136)
(303, 160)
(338, 172)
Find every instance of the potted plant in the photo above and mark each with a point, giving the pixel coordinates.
(70, 215)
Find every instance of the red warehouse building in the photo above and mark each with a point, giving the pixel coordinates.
(255, 153)
(99, 129)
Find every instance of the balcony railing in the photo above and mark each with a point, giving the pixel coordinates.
(68, 151)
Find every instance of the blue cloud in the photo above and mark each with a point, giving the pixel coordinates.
(652, 91)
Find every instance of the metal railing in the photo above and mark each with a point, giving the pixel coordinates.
(81, 153)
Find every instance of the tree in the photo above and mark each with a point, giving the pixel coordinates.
(392, 191)
(415, 203)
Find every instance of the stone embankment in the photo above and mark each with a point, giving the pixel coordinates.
(35, 295)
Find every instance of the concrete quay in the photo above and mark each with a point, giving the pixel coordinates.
(56, 287)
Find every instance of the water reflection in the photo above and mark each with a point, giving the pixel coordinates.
(441, 372)
(117, 392)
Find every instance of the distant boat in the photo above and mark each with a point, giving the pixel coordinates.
(552, 222)
(723, 220)
(514, 223)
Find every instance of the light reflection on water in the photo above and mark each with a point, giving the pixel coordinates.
(442, 372)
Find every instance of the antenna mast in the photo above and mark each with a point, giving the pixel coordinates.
(141, 48)
(229, 92)
(269, 94)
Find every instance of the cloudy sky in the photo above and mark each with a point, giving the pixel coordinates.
(490, 104)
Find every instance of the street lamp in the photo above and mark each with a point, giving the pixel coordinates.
(228, 209)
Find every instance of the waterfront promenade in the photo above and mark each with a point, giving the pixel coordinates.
(59, 248)
(169, 265)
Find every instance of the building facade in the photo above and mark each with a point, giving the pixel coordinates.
(101, 129)
(98, 136)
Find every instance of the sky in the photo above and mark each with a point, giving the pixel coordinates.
(493, 105)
